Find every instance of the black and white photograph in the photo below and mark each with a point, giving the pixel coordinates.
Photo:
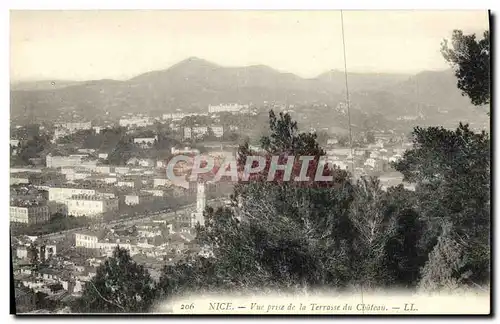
(250, 162)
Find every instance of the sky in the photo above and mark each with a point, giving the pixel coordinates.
(85, 45)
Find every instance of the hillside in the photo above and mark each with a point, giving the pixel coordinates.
(195, 83)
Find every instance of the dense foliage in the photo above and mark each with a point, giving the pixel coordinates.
(471, 60)
(120, 285)
(343, 233)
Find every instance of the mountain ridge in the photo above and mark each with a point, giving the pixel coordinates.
(194, 83)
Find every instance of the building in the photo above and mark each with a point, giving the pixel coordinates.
(91, 205)
(197, 217)
(218, 131)
(140, 162)
(122, 170)
(332, 141)
(107, 248)
(161, 182)
(45, 252)
(29, 215)
(145, 141)
(136, 121)
(19, 180)
(126, 183)
(87, 240)
(199, 131)
(77, 176)
(62, 161)
(141, 198)
(28, 170)
(104, 169)
(74, 127)
(187, 132)
(180, 115)
(185, 150)
(70, 161)
(232, 108)
(61, 194)
(156, 192)
(86, 150)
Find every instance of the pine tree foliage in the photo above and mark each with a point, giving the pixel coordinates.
(470, 59)
(120, 286)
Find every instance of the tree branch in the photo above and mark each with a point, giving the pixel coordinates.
(106, 300)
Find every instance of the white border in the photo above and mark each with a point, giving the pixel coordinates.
(185, 4)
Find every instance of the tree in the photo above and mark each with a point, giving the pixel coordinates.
(123, 151)
(370, 138)
(33, 254)
(452, 173)
(343, 141)
(446, 268)
(387, 235)
(120, 286)
(284, 234)
(322, 137)
(470, 59)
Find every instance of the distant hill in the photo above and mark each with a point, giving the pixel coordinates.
(335, 79)
(195, 83)
(43, 84)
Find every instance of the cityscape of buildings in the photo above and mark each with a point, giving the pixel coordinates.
(133, 204)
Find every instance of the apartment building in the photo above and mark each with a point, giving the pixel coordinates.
(29, 215)
(90, 205)
(61, 194)
(140, 198)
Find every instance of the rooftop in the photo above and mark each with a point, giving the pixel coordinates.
(91, 197)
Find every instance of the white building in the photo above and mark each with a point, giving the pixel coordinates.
(155, 192)
(77, 176)
(181, 115)
(85, 205)
(138, 121)
(141, 198)
(124, 183)
(110, 180)
(122, 170)
(29, 170)
(107, 248)
(29, 215)
(62, 161)
(199, 131)
(105, 169)
(140, 162)
(87, 240)
(185, 150)
(74, 127)
(187, 132)
(19, 180)
(233, 108)
(61, 195)
(395, 158)
(145, 141)
(218, 131)
(370, 162)
(85, 150)
(70, 161)
(161, 182)
(197, 217)
(332, 141)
